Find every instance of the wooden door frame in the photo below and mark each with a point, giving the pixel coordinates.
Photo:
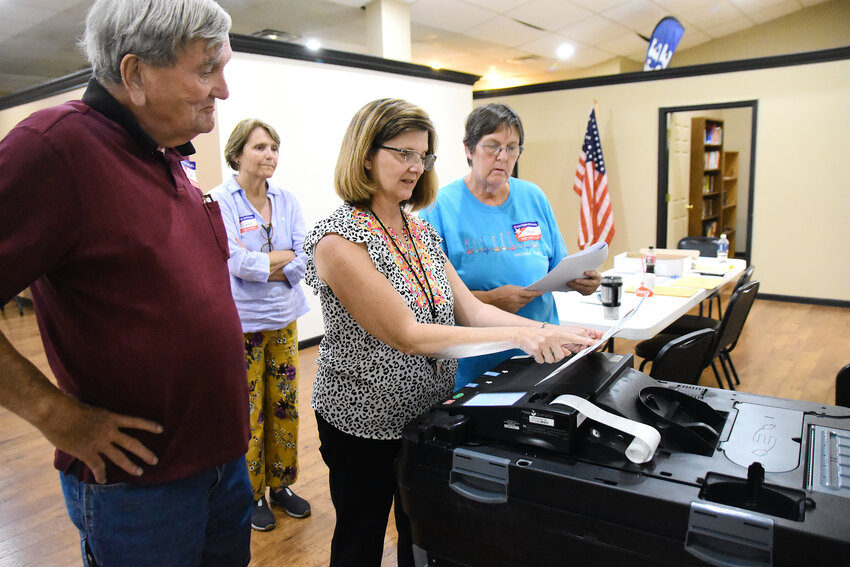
(663, 165)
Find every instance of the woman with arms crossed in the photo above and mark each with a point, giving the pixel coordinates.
(396, 314)
(265, 233)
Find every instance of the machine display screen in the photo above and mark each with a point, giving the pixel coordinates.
(495, 399)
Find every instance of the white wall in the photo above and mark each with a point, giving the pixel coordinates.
(801, 236)
(310, 106)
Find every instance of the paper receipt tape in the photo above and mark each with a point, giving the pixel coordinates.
(646, 438)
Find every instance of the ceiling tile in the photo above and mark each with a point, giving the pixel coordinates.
(625, 44)
(751, 6)
(451, 40)
(594, 29)
(589, 56)
(547, 45)
(728, 28)
(448, 14)
(51, 5)
(497, 6)
(679, 6)
(599, 6)
(692, 38)
(549, 14)
(714, 14)
(25, 13)
(12, 28)
(350, 3)
(640, 15)
(505, 31)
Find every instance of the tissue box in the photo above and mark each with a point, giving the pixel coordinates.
(667, 262)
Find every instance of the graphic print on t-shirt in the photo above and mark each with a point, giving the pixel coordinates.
(525, 235)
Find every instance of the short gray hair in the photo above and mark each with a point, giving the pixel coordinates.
(488, 119)
(154, 30)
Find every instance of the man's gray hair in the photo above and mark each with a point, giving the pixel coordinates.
(154, 30)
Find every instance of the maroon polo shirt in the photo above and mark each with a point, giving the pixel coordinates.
(129, 278)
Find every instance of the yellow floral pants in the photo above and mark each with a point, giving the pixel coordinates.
(272, 359)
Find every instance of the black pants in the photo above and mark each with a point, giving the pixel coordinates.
(362, 484)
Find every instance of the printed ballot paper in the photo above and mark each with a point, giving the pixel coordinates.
(572, 267)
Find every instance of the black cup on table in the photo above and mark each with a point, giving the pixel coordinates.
(611, 294)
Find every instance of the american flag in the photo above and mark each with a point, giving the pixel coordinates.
(591, 183)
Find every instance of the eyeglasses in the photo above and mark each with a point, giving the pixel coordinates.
(266, 232)
(412, 158)
(512, 151)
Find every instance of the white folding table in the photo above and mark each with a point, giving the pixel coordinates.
(655, 314)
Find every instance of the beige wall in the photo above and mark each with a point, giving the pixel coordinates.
(11, 116)
(801, 237)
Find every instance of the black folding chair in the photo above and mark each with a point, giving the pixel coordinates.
(684, 358)
(728, 331)
(707, 246)
(842, 387)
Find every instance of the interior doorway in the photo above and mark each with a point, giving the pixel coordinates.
(674, 168)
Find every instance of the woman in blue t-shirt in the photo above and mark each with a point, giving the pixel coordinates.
(498, 231)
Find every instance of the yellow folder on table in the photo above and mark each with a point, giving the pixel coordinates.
(703, 282)
(668, 290)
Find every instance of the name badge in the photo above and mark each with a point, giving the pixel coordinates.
(248, 223)
(527, 231)
(191, 173)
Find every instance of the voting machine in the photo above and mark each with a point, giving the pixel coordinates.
(595, 463)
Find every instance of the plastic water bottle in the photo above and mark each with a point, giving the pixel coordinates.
(647, 283)
(649, 261)
(722, 248)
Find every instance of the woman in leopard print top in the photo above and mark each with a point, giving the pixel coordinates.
(396, 316)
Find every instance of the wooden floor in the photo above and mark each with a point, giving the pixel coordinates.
(787, 350)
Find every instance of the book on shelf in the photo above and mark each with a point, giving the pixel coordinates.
(713, 134)
(707, 184)
(712, 159)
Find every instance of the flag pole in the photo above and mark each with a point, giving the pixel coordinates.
(596, 107)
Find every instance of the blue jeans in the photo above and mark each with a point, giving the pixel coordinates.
(200, 520)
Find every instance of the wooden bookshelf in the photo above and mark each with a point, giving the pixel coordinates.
(705, 217)
(729, 198)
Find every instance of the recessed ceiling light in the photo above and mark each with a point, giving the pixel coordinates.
(313, 44)
(565, 51)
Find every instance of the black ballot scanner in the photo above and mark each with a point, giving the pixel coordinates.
(594, 463)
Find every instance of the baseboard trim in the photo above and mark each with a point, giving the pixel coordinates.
(307, 343)
(808, 300)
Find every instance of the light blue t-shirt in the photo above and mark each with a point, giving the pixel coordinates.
(516, 243)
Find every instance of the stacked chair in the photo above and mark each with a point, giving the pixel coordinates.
(707, 246)
(727, 331)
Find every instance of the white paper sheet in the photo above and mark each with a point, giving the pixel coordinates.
(608, 334)
(572, 267)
